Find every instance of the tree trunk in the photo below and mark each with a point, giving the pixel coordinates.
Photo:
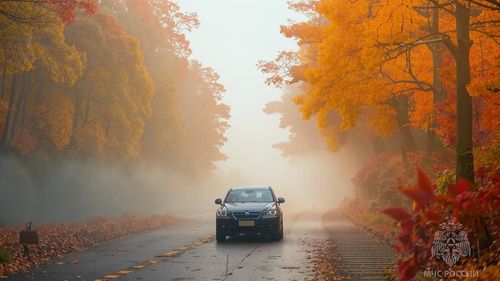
(25, 91)
(437, 91)
(76, 125)
(403, 120)
(87, 107)
(12, 110)
(464, 156)
(82, 95)
(2, 81)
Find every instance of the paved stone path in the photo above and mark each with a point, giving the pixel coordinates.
(361, 256)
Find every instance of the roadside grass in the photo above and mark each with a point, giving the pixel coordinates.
(5, 256)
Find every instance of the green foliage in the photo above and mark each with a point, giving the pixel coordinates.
(5, 256)
(442, 180)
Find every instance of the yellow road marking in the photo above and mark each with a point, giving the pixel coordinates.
(163, 257)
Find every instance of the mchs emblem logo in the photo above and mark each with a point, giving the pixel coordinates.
(450, 243)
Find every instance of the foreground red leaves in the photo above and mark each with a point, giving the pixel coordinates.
(477, 208)
(60, 239)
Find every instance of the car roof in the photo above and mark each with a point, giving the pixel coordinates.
(250, 187)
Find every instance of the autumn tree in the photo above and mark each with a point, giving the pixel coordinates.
(174, 136)
(204, 116)
(450, 26)
(113, 98)
(165, 50)
(34, 12)
(379, 63)
(116, 86)
(28, 51)
(331, 72)
(460, 49)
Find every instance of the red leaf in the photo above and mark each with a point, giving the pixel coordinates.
(467, 206)
(398, 214)
(423, 181)
(421, 196)
(485, 207)
(406, 269)
(433, 215)
(496, 205)
(405, 240)
(407, 226)
(461, 187)
(481, 172)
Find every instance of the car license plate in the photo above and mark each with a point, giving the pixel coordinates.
(246, 223)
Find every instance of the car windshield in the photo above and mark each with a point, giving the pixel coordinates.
(249, 195)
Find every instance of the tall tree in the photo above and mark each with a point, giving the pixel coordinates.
(113, 98)
(187, 95)
(25, 48)
(382, 59)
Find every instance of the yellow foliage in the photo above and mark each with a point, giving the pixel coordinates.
(22, 45)
(90, 140)
(488, 155)
(349, 72)
(358, 57)
(53, 117)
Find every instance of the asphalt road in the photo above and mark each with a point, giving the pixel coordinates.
(364, 257)
(189, 252)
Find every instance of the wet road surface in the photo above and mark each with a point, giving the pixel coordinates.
(362, 256)
(189, 252)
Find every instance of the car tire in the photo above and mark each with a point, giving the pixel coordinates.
(277, 236)
(219, 236)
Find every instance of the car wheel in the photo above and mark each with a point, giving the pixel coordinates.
(219, 236)
(278, 235)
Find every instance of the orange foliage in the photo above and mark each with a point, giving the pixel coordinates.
(24, 140)
(53, 120)
(98, 85)
(357, 64)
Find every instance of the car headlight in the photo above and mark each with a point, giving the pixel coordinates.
(271, 212)
(222, 212)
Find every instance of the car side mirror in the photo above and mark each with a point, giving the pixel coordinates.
(218, 201)
(281, 200)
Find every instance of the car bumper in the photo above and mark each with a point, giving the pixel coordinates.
(230, 226)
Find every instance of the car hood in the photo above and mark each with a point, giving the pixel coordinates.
(249, 206)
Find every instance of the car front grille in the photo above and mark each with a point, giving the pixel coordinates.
(242, 215)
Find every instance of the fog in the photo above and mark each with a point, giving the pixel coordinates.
(75, 190)
(231, 42)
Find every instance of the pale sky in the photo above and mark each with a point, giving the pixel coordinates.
(233, 36)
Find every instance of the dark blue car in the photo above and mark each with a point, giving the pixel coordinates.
(249, 210)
